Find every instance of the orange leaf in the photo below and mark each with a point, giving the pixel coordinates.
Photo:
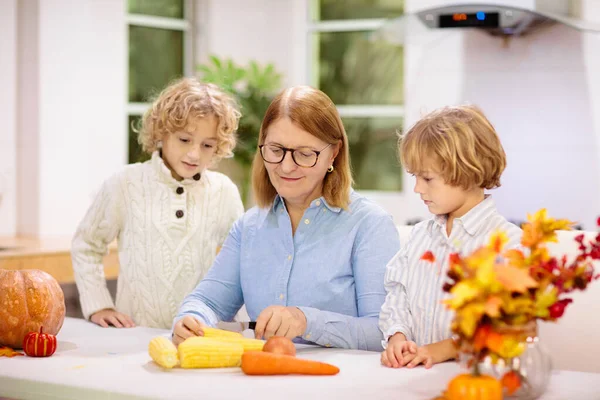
(480, 338)
(428, 256)
(8, 352)
(494, 342)
(492, 306)
(498, 240)
(514, 279)
(515, 257)
(511, 381)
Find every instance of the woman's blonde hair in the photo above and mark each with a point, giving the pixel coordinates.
(184, 101)
(312, 111)
(461, 143)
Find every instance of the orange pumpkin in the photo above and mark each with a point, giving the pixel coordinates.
(29, 299)
(471, 387)
(39, 344)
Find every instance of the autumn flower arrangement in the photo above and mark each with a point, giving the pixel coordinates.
(498, 295)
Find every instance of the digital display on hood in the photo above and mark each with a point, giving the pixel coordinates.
(463, 20)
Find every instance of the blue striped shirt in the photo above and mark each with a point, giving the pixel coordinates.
(414, 286)
(332, 268)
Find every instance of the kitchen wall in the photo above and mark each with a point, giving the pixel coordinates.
(64, 71)
(540, 92)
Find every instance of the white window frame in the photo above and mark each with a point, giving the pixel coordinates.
(354, 110)
(184, 25)
(346, 25)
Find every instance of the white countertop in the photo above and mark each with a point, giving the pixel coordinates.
(98, 363)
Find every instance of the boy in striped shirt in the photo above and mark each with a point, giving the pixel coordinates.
(455, 155)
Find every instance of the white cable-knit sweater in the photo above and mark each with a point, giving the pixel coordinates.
(168, 235)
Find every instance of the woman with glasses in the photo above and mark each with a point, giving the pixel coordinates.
(309, 260)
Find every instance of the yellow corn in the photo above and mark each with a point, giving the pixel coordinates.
(218, 333)
(247, 344)
(163, 352)
(203, 352)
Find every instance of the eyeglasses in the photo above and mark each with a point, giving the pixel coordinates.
(303, 156)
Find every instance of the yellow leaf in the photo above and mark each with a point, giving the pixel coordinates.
(541, 229)
(481, 256)
(485, 274)
(514, 306)
(470, 317)
(462, 292)
(544, 301)
(511, 347)
(8, 352)
(514, 279)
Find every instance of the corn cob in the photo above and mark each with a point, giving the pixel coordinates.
(163, 352)
(218, 333)
(202, 352)
(247, 344)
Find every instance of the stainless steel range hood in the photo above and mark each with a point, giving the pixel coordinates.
(497, 20)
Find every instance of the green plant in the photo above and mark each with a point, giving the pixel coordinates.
(254, 87)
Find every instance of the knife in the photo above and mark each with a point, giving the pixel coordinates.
(237, 326)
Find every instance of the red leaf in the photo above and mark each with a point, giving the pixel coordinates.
(454, 258)
(558, 309)
(428, 256)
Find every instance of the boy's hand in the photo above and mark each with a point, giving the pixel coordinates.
(422, 356)
(399, 351)
(187, 327)
(107, 317)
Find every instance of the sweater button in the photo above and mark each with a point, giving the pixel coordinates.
(179, 213)
(197, 177)
(179, 190)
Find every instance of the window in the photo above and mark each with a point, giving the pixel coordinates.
(364, 78)
(160, 50)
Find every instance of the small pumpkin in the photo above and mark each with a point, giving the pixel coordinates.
(29, 299)
(39, 344)
(472, 387)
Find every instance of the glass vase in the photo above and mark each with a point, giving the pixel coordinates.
(533, 367)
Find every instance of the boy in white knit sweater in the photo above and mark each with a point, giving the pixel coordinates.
(169, 214)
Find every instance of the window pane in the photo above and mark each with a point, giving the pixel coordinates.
(155, 58)
(135, 150)
(357, 9)
(373, 152)
(354, 69)
(160, 8)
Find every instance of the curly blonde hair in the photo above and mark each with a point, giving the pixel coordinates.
(182, 102)
(462, 144)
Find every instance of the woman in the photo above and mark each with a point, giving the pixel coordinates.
(308, 262)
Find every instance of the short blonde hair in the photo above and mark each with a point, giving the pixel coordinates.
(462, 144)
(182, 102)
(313, 111)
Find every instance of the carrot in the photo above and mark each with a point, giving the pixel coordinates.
(262, 363)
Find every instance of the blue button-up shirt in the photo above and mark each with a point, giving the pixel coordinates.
(332, 269)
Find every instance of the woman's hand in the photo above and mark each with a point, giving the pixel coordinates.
(186, 327)
(107, 317)
(289, 322)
